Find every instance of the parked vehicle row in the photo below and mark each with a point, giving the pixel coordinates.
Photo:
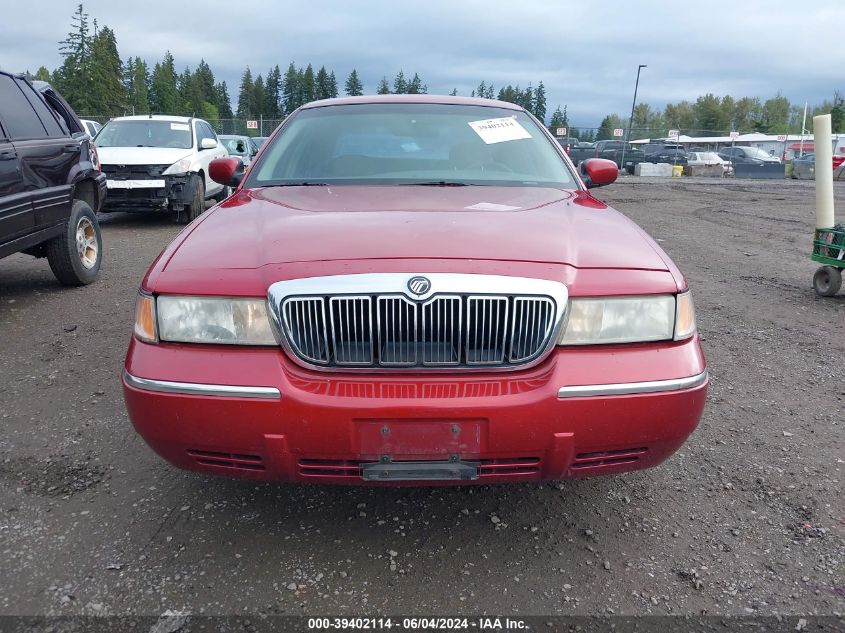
(804, 168)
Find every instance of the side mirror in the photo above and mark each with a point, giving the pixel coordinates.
(229, 171)
(208, 143)
(598, 172)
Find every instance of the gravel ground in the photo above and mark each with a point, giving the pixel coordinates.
(748, 518)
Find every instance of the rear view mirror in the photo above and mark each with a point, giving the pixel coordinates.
(598, 172)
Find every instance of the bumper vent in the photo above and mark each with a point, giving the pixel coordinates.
(498, 467)
(584, 461)
(233, 461)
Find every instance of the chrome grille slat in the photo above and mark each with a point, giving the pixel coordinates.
(397, 334)
(484, 345)
(305, 325)
(372, 321)
(352, 332)
(532, 323)
(441, 335)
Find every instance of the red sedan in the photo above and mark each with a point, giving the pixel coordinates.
(414, 290)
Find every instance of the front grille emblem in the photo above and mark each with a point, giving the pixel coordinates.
(419, 285)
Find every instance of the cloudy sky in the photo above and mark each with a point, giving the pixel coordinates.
(586, 53)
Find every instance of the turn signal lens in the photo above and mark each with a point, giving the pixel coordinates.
(145, 319)
(684, 316)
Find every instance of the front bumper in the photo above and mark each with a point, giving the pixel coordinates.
(252, 413)
(170, 192)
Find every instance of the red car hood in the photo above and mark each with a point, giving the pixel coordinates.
(306, 224)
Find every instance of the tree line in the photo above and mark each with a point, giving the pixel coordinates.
(97, 82)
(712, 115)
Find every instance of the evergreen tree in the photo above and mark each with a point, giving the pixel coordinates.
(246, 96)
(322, 88)
(415, 86)
(42, 74)
(400, 85)
(290, 92)
(224, 109)
(137, 86)
(557, 119)
(527, 99)
(481, 91)
(353, 86)
(259, 98)
(332, 85)
(203, 88)
(164, 93)
(272, 94)
(540, 102)
(383, 87)
(608, 124)
(454, 92)
(74, 77)
(308, 87)
(187, 102)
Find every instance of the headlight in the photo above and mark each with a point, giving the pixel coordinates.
(226, 321)
(179, 167)
(622, 320)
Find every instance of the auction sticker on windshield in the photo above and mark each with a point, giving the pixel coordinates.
(183, 127)
(499, 130)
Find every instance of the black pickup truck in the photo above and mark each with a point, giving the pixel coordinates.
(612, 150)
(582, 151)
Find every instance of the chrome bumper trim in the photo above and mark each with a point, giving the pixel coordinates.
(199, 389)
(628, 388)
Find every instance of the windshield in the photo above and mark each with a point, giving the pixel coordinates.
(410, 143)
(235, 145)
(145, 133)
(756, 152)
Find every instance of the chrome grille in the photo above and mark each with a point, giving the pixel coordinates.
(377, 320)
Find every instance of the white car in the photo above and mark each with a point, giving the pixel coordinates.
(709, 158)
(159, 162)
(92, 127)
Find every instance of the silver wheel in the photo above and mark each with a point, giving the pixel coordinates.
(87, 245)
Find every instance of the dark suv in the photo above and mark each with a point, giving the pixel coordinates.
(50, 182)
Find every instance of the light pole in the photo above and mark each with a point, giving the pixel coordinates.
(631, 120)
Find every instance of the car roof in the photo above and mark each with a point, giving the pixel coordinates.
(155, 117)
(423, 98)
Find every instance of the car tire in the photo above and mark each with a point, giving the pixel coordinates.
(193, 210)
(75, 255)
(827, 281)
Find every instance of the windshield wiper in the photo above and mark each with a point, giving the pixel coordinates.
(304, 183)
(436, 183)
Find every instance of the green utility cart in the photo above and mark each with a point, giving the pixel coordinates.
(829, 250)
